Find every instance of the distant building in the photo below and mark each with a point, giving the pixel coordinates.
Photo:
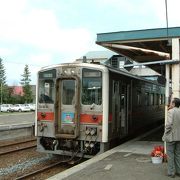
(18, 91)
(115, 60)
(96, 57)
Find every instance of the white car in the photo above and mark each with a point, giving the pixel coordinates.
(6, 108)
(21, 108)
(32, 106)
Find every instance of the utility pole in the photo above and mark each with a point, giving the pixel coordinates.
(1, 94)
(1, 81)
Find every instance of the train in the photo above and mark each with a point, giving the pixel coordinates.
(83, 108)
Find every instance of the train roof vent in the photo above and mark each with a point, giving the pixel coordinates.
(114, 61)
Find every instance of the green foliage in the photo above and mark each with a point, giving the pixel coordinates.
(3, 85)
(25, 82)
(2, 73)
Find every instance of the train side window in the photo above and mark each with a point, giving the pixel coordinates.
(115, 86)
(162, 99)
(139, 96)
(146, 102)
(91, 87)
(157, 100)
(151, 99)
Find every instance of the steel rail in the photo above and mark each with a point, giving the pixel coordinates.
(16, 150)
(17, 143)
(39, 171)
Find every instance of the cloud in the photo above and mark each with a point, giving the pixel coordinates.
(172, 9)
(40, 28)
(40, 59)
(6, 52)
(144, 14)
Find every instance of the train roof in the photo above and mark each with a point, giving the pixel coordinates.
(101, 67)
(125, 73)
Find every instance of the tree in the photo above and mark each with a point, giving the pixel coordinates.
(3, 85)
(25, 82)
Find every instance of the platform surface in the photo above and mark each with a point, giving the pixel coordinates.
(129, 161)
(11, 120)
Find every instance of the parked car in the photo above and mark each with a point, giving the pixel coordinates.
(21, 108)
(6, 108)
(32, 106)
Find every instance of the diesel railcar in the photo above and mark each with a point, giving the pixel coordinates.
(82, 108)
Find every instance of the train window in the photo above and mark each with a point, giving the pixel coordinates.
(146, 102)
(115, 86)
(68, 92)
(162, 99)
(46, 91)
(151, 99)
(157, 99)
(91, 87)
(139, 96)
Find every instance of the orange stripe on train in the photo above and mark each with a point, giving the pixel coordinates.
(49, 116)
(90, 118)
(84, 118)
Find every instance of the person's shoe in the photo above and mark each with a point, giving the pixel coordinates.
(171, 175)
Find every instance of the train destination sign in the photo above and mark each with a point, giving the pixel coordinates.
(48, 74)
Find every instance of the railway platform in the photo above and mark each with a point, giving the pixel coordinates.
(16, 125)
(130, 161)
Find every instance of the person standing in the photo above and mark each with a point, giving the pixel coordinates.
(172, 138)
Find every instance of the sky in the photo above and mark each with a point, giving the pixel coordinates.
(45, 32)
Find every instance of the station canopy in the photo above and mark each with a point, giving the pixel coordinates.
(143, 46)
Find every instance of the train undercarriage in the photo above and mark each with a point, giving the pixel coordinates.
(70, 147)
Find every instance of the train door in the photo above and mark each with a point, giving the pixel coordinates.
(124, 108)
(67, 108)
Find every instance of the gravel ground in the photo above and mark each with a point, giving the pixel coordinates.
(23, 162)
(22, 166)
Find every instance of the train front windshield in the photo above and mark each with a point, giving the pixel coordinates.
(91, 87)
(46, 91)
(68, 93)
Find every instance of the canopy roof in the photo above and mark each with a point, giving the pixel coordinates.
(143, 46)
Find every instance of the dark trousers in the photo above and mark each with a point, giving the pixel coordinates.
(173, 157)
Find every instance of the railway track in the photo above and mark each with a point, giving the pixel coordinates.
(17, 146)
(35, 173)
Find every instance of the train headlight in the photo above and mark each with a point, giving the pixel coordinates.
(69, 71)
(65, 71)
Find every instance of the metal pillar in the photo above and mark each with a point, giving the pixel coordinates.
(1, 96)
(175, 68)
(167, 89)
(175, 76)
(167, 95)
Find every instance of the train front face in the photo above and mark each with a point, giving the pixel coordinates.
(71, 117)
